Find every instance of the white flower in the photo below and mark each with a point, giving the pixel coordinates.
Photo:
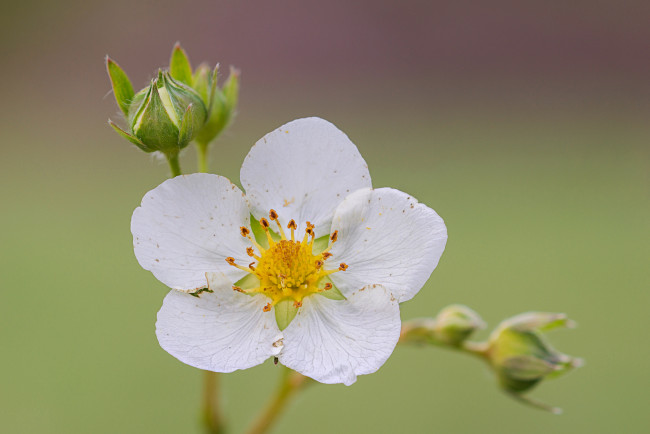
(318, 286)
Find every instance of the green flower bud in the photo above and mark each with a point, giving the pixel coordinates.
(455, 323)
(521, 357)
(221, 103)
(164, 116)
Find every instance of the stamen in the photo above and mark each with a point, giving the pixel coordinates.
(230, 260)
(273, 215)
(287, 269)
(292, 225)
(265, 225)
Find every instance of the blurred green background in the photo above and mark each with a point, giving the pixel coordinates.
(525, 126)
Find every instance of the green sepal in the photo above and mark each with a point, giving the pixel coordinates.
(538, 321)
(320, 244)
(285, 312)
(213, 88)
(333, 293)
(179, 65)
(130, 138)
(527, 367)
(249, 281)
(260, 235)
(187, 127)
(181, 96)
(153, 125)
(231, 90)
(202, 84)
(217, 120)
(221, 107)
(122, 88)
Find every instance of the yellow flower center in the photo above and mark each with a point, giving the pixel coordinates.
(287, 269)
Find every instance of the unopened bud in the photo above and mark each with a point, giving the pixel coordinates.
(521, 356)
(455, 323)
(221, 103)
(164, 116)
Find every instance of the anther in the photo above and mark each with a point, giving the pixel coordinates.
(319, 264)
(244, 231)
(309, 225)
(237, 288)
(265, 223)
(267, 308)
(292, 225)
(297, 304)
(309, 231)
(328, 286)
(230, 260)
(343, 266)
(253, 263)
(326, 255)
(334, 236)
(250, 251)
(273, 215)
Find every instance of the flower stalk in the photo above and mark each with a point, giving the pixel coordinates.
(516, 351)
(212, 417)
(290, 384)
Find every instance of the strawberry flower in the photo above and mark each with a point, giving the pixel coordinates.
(308, 266)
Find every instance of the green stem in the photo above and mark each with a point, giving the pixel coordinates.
(174, 164)
(202, 150)
(212, 418)
(290, 384)
(419, 331)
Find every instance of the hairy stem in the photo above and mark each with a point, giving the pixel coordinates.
(290, 384)
(418, 331)
(212, 418)
(202, 151)
(174, 164)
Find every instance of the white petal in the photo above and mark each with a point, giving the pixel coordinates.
(386, 237)
(187, 226)
(303, 170)
(221, 331)
(333, 341)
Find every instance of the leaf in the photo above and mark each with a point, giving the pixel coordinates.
(179, 65)
(122, 88)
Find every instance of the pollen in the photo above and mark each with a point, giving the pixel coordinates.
(288, 269)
